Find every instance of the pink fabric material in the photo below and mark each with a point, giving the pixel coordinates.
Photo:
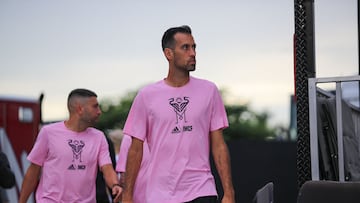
(124, 148)
(69, 163)
(140, 185)
(176, 123)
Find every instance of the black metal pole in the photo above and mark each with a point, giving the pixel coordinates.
(358, 26)
(304, 69)
(310, 37)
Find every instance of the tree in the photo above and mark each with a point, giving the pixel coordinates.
(245, 123)
(114, 114)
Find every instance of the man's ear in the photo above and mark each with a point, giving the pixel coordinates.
(168, 53)
(79, 108)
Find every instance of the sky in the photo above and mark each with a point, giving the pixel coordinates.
(113, 47)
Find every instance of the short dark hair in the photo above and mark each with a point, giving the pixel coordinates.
(80, 92)
(168, 40)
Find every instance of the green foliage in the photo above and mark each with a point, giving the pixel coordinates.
(243, 122)
(114, 114)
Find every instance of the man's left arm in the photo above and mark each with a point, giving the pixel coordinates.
(221, 157)
(112, 181)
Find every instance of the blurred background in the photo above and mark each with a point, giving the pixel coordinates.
(113, 48)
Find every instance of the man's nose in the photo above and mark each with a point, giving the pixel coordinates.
(192, 52)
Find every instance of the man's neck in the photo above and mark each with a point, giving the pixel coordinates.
(177, 81)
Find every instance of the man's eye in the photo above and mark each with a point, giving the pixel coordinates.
(185, 47)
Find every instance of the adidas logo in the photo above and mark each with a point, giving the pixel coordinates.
(175, 130)
(71, 167)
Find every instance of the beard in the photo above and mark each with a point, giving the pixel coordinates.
(188, 65)
(91, 122)
(191, 68)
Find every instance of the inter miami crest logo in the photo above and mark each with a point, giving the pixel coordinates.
(76, 147)
(179, 104)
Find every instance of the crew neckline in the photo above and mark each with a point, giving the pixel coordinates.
(186, 84)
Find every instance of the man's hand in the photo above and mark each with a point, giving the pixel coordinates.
(116, 191)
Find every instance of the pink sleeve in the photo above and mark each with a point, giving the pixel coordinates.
(39, 151)
(124, 148)
(136, 123)
(219, 117)
(104, 156)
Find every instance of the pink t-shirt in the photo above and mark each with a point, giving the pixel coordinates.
(140, 185)
(176, 123)
(124, 149)
(69, 161)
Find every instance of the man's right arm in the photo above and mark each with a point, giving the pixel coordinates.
(30, 182)
(132, 168)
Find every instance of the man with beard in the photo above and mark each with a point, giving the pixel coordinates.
(67, 155)
(181, 118)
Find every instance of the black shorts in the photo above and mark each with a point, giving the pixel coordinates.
(207, 199)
